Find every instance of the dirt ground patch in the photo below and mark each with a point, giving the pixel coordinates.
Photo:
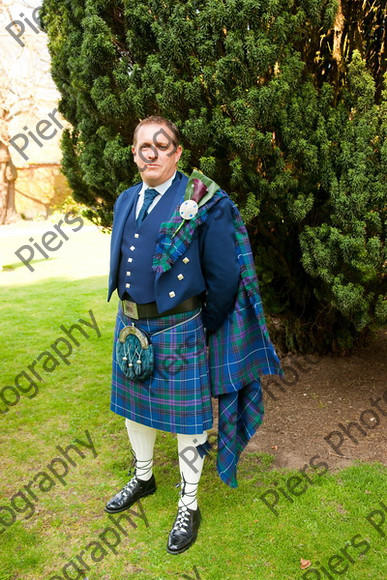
(328, 391)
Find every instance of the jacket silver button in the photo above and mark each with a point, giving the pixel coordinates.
(172, 294)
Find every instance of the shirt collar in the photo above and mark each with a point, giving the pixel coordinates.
(162, 188)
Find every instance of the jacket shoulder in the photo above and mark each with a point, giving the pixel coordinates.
(128, 192)
(225, 207)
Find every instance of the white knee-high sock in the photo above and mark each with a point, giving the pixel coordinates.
(191, 465)
(142, 439)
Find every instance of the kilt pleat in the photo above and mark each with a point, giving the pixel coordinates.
(177, 396)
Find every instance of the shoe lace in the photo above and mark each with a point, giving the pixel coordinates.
(127, 490)
(144, 466)
(182, 519)
(133, 464)
(184, 494)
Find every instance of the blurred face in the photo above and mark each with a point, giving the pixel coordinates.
(155, 154)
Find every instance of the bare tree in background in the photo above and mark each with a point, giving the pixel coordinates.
(18, 96)
(8, 171)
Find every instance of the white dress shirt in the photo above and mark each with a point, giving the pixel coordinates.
(162, 188)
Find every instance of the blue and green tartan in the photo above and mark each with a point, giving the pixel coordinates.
(173, 240)
(176, 397)
(240, 350)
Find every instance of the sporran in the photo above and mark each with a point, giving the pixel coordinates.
(134, 352)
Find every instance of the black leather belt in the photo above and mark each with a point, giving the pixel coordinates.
(149, 310)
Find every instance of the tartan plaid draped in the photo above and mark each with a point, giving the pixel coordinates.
(240, 415)
(239, 351)
(170, 246)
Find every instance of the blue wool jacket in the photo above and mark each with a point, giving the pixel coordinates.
(208, 267)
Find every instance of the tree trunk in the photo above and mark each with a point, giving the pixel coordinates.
(337, 54)
(8, 174)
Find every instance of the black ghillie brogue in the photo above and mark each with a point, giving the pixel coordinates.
(184, 530)
(133, 490)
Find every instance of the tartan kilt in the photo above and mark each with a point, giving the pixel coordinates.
(177, 396)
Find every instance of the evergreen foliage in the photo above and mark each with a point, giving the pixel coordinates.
(281, 102)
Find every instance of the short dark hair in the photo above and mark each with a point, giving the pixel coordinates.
(158, 120)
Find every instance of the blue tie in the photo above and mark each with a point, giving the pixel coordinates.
(149, 196)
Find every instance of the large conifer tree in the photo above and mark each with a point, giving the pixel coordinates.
(281, 102)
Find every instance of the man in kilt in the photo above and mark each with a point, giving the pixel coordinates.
(182, 266)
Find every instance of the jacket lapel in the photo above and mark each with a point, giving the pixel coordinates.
(129, 198)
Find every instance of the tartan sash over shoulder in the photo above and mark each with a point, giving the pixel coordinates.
(240, 350)
(170, 245)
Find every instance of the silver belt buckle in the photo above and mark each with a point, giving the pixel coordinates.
(130, 309)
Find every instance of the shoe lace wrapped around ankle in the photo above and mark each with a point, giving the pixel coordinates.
(132, 468)
(142, 466)
(182, 519)
(184, 494)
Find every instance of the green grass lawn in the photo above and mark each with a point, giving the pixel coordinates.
(57, 524)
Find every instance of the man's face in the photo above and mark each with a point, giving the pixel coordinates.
(155, 154)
